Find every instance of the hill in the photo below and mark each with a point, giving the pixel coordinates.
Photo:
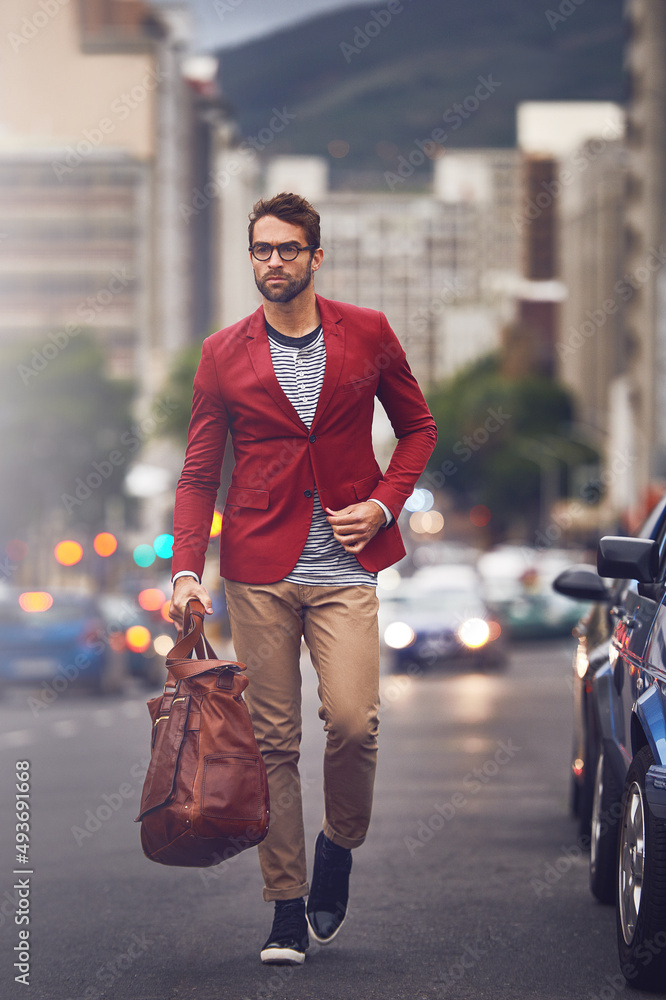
(376, 83)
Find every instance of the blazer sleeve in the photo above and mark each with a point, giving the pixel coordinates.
(413, 424)
(199, 482)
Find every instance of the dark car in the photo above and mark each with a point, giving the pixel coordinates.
(53, 638)
(619, 768)
(437, 617)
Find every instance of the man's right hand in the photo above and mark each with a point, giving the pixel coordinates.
(185, 589)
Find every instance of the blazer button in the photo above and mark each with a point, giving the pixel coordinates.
(308, 493)
(313, 438)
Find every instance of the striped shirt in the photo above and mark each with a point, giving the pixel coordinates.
(299, 364)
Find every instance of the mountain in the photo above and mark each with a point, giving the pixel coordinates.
(382, 80)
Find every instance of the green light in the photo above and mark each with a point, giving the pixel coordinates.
(144, 555)
(163, 546)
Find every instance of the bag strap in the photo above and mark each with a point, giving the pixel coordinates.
(193, 640)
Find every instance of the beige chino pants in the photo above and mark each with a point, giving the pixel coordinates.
(339, 625)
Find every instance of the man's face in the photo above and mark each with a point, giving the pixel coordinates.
(282, 280)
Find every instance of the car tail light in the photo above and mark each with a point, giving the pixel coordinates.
(35, 600)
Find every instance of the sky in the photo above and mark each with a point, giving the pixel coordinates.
(225, 23)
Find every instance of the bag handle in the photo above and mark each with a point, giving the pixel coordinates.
(192, 639)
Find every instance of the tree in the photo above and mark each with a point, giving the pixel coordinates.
(505, 442)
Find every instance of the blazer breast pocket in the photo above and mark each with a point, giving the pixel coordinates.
(360, 386)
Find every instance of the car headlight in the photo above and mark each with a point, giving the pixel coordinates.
(474, 633)
(399, 635)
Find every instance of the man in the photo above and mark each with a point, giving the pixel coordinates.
(309, 520)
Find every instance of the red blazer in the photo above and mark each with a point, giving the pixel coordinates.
(279, 461)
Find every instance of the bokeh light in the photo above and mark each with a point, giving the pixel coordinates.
(163, 546)
(144, 555)
(216, 526)
(338, 148)
(16, 549)
(165, 611)
(479, 515)
(163, 644)
(420, 499)
(138, 638)
(105, 544)
(35, 600)
(151, 599)
(428, 522)
(68, 552)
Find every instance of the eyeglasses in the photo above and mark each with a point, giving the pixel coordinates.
(287, 251)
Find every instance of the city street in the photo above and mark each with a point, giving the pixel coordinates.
(471, 884)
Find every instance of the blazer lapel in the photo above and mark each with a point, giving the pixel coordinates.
(262, 362)
(334, 338)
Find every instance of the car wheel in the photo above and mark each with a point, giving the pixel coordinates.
(604, 831)
(641, 883)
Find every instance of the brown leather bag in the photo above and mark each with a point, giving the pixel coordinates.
(205, 796)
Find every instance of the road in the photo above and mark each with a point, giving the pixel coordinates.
(471, 884)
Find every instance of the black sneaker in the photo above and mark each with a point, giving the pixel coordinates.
(329, 893)
(288, 939)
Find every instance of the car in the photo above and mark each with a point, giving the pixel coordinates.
(518, 581)
(139, 634)
(55, 638)
(437, 617)
(620, 662)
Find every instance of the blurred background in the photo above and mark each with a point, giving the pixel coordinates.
(491, 175)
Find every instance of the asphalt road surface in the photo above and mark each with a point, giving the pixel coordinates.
(471, 884)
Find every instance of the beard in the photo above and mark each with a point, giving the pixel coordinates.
(285, 292)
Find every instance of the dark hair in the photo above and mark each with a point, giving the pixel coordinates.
(290, 208)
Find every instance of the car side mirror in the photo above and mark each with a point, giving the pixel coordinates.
(624, 558)
(583, 583)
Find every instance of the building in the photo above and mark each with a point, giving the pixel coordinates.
(441, 266)
(94, 181)
(644, 316)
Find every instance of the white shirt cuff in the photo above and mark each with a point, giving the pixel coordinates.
(186, 572)
(387, 513)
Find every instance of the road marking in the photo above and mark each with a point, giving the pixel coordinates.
(18, 738)
(65, 728)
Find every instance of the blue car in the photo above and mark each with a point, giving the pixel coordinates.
(620, 666)
(52, 639)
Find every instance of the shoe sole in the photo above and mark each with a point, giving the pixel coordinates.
(315, 937)
(282, 956)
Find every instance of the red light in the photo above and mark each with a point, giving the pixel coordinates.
(36, 600)
(151, 599)
(165, 611)
(479, 515)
